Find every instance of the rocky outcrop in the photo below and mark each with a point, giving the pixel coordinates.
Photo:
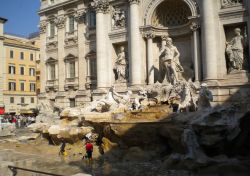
(7, 129)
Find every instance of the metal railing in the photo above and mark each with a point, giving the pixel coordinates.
(14, 170)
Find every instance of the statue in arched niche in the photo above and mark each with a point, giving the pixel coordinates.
(121, 66)
(235, 51)
(169, 57)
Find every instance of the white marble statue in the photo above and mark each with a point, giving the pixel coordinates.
(184, 95)
(185, 98)
(226, 3)
(235, 51)
(205, 97)
(121, 65)
(170, 59)
(122, 100)
(118, 18)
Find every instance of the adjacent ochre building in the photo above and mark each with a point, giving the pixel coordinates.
(2, 107)
(82, 41)
(18, 73)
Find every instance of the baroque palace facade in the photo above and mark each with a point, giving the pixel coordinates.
(89, 45)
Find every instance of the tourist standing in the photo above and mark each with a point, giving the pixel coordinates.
(62, 148)
(89, 151)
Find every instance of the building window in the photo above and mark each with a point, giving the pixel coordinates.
(71, 24)
(12, 70)
(22, 86)
(21, 70)
(51, 72)
(93, 71)
(71, 69)
(31, 71)
(32, 100)
(12, 100)
(31, 57)
(52, 29)
(92, 19)
(21, 55)
(11, 54)
(12, 86)
(72, 102)
(37, 91)
(32, 87)
(38, 78)
(22, 100)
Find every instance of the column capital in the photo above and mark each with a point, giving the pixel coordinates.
(80, 16)
(134, 1)
(194, 23)
(60, 22)
(148, 35)
(194, 26)
(43, 26)
(100, 6)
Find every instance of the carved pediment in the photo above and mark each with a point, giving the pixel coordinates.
(51, 60)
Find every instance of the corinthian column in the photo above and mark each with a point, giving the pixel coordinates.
(135, 60)
(101, 7)
(150, 62)
(209, 39)
(194, 27)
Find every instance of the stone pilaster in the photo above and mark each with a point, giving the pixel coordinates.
(135, 60)
(43, 57)
(101, 7)
(209, 38)
(60, 23)
(150, 62)
(80, 18)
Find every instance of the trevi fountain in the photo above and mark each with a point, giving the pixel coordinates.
(191, 117)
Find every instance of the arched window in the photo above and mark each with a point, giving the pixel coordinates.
(171, 13)
(51, 69)
(70, 61)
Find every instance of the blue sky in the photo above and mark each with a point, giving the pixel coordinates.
(21, 14)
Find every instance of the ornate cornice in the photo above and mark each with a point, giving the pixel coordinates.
(101, 6)
(60, 22)
(134, 1)
(43, 27)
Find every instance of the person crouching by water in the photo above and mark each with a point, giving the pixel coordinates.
(89, 151)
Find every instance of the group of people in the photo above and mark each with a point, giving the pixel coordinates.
(88, 148)
(19, 120)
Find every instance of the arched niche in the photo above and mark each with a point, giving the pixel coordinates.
(188, 5)
(171, 13)
(173, 18)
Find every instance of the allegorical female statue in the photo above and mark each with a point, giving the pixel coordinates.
(235, 51)
(121, 65)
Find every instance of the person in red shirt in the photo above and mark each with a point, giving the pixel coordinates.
(89, 150)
